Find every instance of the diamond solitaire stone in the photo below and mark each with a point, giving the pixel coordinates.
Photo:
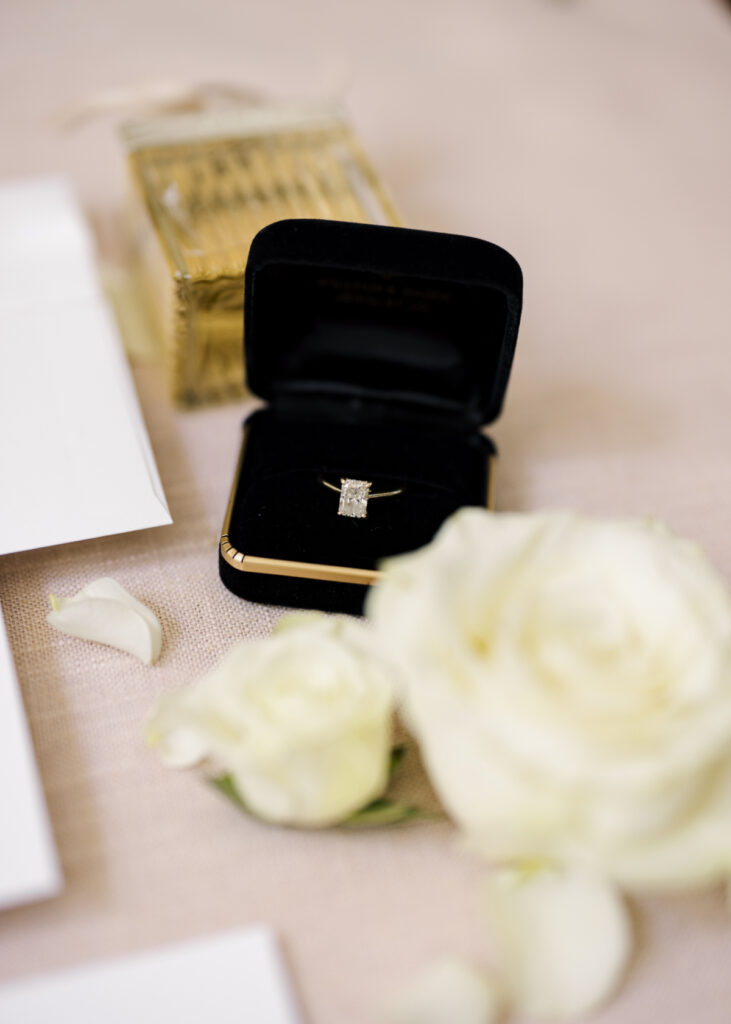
(354, 496)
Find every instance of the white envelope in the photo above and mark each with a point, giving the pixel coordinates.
(75, 459)
(235, 978)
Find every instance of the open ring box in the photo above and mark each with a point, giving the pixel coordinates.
(382, 353)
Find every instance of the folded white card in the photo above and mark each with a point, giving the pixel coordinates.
(29, 867)
(75, 459)
(235, 978)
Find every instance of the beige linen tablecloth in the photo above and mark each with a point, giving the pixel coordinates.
(591, 139)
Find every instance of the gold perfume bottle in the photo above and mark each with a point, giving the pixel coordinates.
(202, 186)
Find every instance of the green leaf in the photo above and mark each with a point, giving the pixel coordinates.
(225, 784)
(398, 753)
(387, 812)
(376, 814)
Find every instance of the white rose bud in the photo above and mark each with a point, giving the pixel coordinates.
(569, 681)
(300, 721)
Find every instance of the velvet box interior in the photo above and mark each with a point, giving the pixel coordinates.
(381, 353)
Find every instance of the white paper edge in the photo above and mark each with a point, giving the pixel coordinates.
(135, 412)
(26, 778)
(251, 939)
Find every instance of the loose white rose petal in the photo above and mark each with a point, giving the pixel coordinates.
(564, 939)
(449, 992)
(297, 620)
(107, 614)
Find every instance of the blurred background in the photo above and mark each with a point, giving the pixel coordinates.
(588, 137)
(591, 139)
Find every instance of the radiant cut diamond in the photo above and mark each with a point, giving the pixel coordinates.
(354, 496)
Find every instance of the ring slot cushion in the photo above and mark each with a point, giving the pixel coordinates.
(381, 353)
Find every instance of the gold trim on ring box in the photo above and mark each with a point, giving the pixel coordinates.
(301, 570)
(282, 566)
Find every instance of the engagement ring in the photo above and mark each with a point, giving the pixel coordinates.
(355, 495)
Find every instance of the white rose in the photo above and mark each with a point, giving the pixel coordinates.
(569, 681)
(301, 721)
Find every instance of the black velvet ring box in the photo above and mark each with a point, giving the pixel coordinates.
(382, 353)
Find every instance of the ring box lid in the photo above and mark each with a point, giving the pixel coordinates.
(370, 315)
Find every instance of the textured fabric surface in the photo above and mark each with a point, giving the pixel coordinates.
(589, 139)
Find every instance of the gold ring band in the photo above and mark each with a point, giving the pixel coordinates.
(378, 494)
